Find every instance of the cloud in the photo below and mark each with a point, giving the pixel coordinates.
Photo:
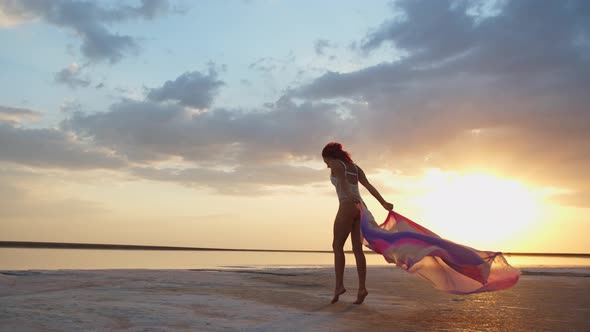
(263, 64)
(420, 32)
(232, 151)
(174, 121)
(271, 64)
(192, 89)
(445, 40)
(149, 131)
(498, 89)
(89, 20)
(70, 105)
(321, 45)
(51, 148)
(9, 20)
(70, 76)
(13, 114)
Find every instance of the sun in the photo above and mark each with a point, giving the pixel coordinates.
(477, 209)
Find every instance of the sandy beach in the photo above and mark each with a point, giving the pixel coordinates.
(277, 299)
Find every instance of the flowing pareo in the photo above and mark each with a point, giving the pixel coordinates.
(449, 266)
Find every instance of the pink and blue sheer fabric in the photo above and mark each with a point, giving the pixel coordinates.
(449, 266)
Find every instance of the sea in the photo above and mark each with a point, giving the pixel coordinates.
(51, 259)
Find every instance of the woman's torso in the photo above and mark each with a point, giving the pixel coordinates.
(351, 174)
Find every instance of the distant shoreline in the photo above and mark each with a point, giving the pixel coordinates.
(62, 245)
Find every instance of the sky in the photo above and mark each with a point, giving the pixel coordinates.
(201, 123)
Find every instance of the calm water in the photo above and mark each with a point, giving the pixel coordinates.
(22, 259)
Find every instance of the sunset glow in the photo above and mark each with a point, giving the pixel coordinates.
(478, 208)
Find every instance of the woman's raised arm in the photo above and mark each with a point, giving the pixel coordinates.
(363, 180)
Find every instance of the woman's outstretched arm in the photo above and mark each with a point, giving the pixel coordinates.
(363, 180)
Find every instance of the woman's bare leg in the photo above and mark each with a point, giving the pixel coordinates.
(361, 263)
(342, 227)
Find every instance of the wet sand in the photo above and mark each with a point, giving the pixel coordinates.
(281, 300)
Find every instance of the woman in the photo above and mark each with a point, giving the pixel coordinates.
(345, 175)
(449, 266)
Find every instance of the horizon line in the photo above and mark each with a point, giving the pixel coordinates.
(71, 245)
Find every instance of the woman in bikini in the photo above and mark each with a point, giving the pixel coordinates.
(449, 266)
(346, 175)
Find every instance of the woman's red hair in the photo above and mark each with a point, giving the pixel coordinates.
(334, 150)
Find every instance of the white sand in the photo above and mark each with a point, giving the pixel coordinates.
(279, 300)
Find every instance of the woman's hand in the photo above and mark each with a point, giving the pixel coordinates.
(388, 206)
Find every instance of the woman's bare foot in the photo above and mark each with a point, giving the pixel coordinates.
(337, 294)
(361, 296)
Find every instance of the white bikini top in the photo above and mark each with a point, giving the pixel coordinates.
(353, 186)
